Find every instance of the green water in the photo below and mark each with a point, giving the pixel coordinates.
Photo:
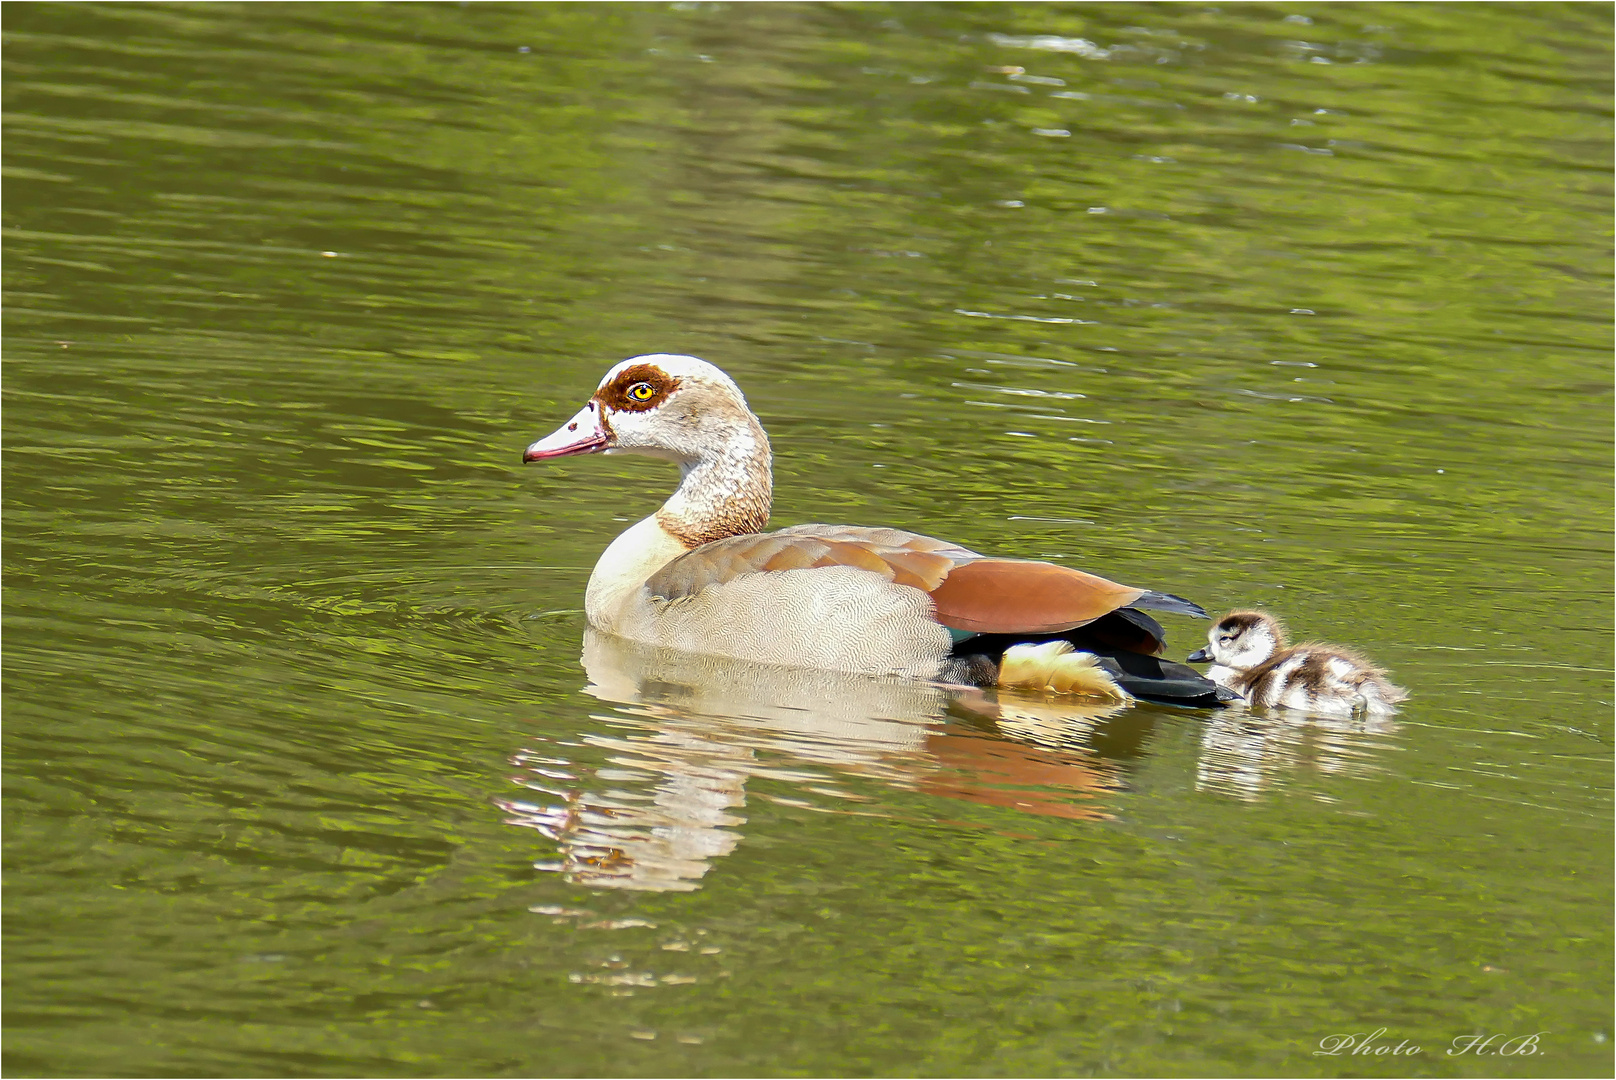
(1302, 306)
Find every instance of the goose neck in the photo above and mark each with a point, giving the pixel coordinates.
(725, 492)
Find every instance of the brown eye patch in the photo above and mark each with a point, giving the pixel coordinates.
(628, 392)
(1238, 622)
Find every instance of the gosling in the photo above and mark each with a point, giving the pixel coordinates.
(1249, 656)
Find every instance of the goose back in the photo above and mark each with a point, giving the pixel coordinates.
(969, 592)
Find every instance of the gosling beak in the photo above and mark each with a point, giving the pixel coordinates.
(583, 434)
(1199, 656)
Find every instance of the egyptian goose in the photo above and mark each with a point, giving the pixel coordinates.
(1250, 656)
(701, 575)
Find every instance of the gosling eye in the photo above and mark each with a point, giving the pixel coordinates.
(642, 391)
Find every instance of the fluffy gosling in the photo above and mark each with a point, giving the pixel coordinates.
(1250, 656)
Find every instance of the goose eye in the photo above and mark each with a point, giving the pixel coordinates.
(642, 391)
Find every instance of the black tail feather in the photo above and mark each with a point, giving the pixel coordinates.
(1154, 679)
(976, 661)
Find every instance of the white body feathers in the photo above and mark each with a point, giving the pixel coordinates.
(790, 617)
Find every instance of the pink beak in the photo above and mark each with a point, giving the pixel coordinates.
(583, 434)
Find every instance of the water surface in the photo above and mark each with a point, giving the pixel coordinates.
(310, 769)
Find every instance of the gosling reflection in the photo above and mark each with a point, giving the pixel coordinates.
(1244, 754)
(691, 730)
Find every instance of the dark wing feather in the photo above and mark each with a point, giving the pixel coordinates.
(1155, 679)
(1130, 629)
(1161, 601)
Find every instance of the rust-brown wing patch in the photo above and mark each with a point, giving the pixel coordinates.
(1008, 596)
(987, 596)
(904, 558)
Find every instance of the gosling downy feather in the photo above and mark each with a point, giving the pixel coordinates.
(1249, 654)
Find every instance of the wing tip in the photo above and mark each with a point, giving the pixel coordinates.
(1161, 601)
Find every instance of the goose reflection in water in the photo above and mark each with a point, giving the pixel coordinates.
(1246, 755)
(692, 730)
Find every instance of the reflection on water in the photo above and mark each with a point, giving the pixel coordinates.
(630, 840)
(1186, 296)
(1245, 754)
(1038, 753)
(664, 798)
(695, 729)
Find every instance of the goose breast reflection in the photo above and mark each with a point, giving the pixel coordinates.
(700, 575)
(655, 792)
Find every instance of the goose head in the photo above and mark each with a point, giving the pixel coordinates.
(685, 410)
(1241, 640)
(660, 405)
